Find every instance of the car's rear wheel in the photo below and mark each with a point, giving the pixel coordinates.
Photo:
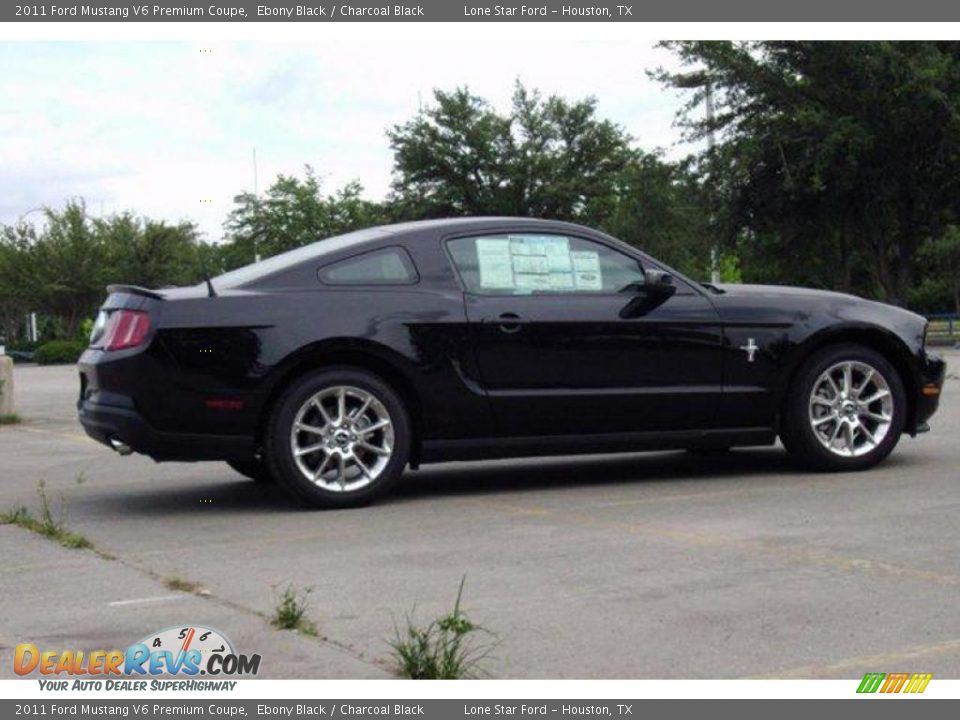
(846, 409)
(254, 468)
(338, 438)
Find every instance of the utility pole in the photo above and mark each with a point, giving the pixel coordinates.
(256, 194)
(711, 144)
(31, 325)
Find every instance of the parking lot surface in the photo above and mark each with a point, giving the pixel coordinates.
(660, 565)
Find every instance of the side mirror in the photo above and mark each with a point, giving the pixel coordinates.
(656, 289)
(658, 279)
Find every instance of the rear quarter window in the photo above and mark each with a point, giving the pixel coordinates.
(387, 266)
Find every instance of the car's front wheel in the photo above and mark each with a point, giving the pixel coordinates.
(846, 409)
(338, 438)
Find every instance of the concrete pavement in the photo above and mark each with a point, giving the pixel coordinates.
(640, 566)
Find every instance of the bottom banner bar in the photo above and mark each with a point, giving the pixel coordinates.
(455, 709)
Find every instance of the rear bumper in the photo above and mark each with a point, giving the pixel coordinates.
(933, 373)
(104, 422)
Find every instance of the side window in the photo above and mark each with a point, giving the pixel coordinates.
(390, 266)
(521, 264)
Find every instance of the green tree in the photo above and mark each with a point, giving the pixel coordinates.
(14, 279)
(61, 268)
(940, 257)
(547, 157)
(663, 209)
(292, 213)
(148, 253)
(835, 159)
(66, 267)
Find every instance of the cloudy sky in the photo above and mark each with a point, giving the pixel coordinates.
(167, 128)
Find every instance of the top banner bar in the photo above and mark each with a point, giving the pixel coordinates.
(474, 11)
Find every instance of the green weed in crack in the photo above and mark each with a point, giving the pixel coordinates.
(291, 612)
(50, 524)
(446, 649)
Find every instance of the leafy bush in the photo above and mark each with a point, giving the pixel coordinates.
(59, 352)
(86, 328)
(23, 345)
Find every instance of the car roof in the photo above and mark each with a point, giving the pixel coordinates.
(377, 235)
(461, 223)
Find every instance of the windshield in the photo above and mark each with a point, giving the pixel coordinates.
(284, 261)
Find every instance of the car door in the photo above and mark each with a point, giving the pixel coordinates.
(568, 340)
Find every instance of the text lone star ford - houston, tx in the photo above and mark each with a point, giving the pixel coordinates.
(332, 367)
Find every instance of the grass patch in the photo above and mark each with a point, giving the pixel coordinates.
(10, 419)
(18, 516)
(175, 582)
(291, 612)
(446, 649)
(47, 524)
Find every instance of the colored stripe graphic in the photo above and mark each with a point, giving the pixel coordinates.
(894, 682)
(870, 683)
(918, 682)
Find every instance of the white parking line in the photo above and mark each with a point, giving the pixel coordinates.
(135, 601)
(67, 435)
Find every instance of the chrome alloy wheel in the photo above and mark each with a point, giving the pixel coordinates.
(342, 438)
(851, 408)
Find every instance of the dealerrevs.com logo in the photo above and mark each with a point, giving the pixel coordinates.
(184, 651)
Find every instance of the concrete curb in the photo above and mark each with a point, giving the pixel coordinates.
(6, 385)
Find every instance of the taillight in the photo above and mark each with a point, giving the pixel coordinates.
(125, 329)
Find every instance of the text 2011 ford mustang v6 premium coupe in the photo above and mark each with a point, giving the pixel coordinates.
(332, 367)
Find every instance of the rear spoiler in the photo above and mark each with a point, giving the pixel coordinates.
(135, 290)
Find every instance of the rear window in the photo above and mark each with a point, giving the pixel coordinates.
(292, 258)
(389, 266)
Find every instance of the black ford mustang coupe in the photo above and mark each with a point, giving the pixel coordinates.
(332, 367)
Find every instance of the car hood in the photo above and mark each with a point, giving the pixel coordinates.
(784, 291)
(840, 304)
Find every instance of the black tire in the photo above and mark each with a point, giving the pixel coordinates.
(253, 469)
(277, 438)
(797, 432)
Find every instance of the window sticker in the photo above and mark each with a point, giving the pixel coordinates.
(561, 281)
(530, 264)
(537, 263)
(532, 281)
(520, 245)
(494, 259)
(557, 250)
(541, 262)
(586, 269)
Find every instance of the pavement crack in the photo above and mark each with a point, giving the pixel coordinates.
(227, 603)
